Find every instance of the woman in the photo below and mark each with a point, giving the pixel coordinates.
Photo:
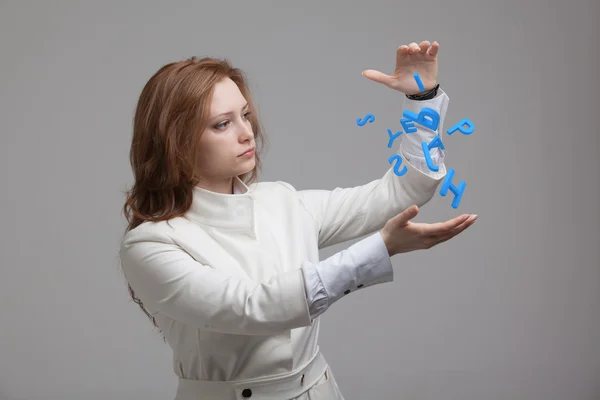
(227, 268)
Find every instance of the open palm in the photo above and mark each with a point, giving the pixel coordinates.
(401, 236)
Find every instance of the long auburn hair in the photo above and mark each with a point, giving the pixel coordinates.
(170, 116)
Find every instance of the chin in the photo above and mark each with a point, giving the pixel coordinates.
(248, 167)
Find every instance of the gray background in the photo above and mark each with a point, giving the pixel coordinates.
(507, 310)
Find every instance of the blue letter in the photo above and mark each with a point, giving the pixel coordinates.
(408, 125)
(398, 164)
(431, 123)
(393, 137)
(458, 191)
(419, 82)
(367, 118)
(459, 126)
(436, 142)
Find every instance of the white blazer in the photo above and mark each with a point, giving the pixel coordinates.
(224, 281)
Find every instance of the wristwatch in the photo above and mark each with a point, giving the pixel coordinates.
(430, 94)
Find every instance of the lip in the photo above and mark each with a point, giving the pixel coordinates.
(247, 153)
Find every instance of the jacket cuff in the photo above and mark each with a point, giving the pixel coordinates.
(316, 295)
(411, 142)
(364, 264)
(294, 308)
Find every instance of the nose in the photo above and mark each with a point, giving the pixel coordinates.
(246, 133)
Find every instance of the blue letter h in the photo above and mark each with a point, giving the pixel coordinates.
(458, 191)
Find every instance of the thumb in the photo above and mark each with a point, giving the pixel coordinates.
(406, 215)
(377, 76)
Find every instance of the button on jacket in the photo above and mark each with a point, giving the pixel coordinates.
(233, 283)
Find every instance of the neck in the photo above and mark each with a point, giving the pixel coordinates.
(221, 186)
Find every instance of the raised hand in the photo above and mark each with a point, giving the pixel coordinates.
(401, 236)
(421, 58)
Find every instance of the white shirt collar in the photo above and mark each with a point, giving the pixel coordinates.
(232, 211)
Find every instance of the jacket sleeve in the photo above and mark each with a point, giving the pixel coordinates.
(364, 264)
(343, 214)
(170, 281)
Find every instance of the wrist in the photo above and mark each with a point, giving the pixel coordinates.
(424, 95)
(385, 242)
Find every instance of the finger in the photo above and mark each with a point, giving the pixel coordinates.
(458, 229)
(413, 48)
(433, 50)
(448, 236)
(424, 45)
(406, 215)
(403, 49)
(401, 54)
(377, 76)
(443, 227)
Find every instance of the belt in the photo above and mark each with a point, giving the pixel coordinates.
(277, 387)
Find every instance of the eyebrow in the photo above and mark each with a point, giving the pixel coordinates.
(227, 113)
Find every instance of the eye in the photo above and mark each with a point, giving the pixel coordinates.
(221, 125)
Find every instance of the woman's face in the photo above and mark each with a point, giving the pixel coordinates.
(227, 136)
